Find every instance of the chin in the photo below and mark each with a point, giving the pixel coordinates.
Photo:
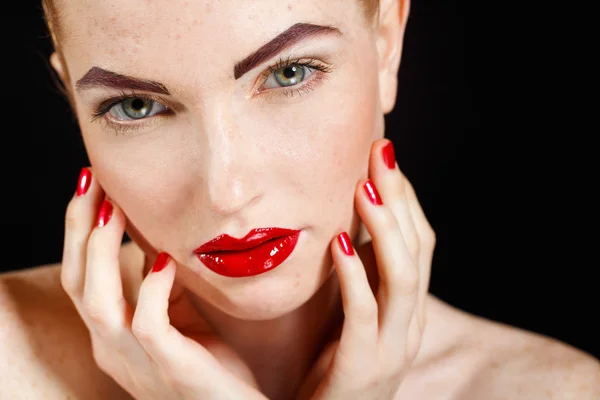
(277, 292)
(271, 294)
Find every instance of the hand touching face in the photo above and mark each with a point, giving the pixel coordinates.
(155, 350)
(381, 334)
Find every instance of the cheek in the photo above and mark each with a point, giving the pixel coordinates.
(331, 138)
(149, 184)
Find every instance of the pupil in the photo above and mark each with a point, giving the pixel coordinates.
(289, 72)
(137, 104)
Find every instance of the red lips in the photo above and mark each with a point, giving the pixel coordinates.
(259, 251)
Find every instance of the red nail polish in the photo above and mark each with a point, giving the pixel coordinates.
(372, 193)
(345, 243)
(389, 156)
(104, 214)
(161, 262)
(83, 184)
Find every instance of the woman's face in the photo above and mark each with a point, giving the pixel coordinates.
(224, 150)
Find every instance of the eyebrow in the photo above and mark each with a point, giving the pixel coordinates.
(284, 40)
(98, 77)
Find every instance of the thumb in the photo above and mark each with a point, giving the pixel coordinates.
(183, 316)
(155, 289)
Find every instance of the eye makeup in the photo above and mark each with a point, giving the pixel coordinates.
(318, 69)
(319, 72)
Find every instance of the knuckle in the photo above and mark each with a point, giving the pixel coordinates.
(141, 330)
(103, 324)
(93, 309)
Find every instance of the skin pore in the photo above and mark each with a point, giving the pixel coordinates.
(229, 152)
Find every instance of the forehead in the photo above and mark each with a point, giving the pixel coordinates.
(134, 34)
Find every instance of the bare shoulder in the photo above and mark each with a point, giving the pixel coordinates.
(46, 351)
(517, 364)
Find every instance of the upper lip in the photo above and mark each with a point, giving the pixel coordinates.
(254, 238)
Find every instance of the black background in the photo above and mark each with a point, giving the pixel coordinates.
(475, 131)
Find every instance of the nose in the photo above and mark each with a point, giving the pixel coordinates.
(233, 167)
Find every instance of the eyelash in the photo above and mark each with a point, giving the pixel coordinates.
(303, 87)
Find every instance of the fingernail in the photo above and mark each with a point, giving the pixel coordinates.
(161, 262)
(83, 184)
(372, 193)
(389, 156)
(104, 214)
(345, 243)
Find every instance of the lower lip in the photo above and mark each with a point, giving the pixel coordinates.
(254, 261)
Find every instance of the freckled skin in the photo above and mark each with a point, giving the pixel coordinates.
(230, 162)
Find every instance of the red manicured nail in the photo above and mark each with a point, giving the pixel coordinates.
(346, 244)
(161, 262)
(83, 184)
(389, 156)
(372, 193)
(104, 214)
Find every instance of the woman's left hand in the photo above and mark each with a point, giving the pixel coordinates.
(381, 334)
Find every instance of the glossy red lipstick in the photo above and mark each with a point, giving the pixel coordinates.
(259, 251)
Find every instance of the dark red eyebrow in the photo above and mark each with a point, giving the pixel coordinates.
(98, 77)
(284, 40)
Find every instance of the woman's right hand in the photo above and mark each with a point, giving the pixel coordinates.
(140, 348)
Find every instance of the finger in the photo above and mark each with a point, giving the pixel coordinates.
(427, 239)
(171, 350)
(79, 221)
(359, 338)
(103, 300)
(182, 313)
(393, 187)
(398, 284)
(391, 184)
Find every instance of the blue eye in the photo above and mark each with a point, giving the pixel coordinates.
(135, 108)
